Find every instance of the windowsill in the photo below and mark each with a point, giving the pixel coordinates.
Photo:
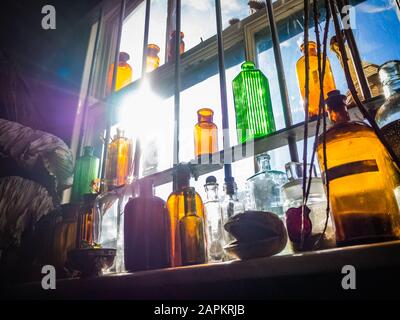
(273, 277)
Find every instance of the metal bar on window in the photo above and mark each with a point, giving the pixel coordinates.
(90, 82)
(281, 79)
(222, 84)
(177, 60)
(109, 105)
(146, 36)
(362, 80)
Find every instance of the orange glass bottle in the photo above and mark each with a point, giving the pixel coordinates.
(176, 208)
(362, 179)
(119, 161)
(85, 221)
(171, 46)
(152, 60)
(329, 82)
(124, 72)
(205, 133)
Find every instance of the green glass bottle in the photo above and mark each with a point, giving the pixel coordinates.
(86, 170)
(254, 116)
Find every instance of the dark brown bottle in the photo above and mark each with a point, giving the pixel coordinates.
(193, 244)
(84, 237)
(146, 231)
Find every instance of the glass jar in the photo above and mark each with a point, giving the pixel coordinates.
(293, 198)
(205, 133)
(362, 179)
(152, 60)
(253, 106)
(124, 72)
(314, 92)
(388, 115)
(264, 188)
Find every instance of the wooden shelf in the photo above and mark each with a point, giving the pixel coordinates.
(314, 274)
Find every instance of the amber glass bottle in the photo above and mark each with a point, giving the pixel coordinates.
(171, 46)
(176, 208)
(329, 82)
(86, 215)
(152, 60)
(119, 161)
(191, 226)
(362, 179)
(124, 72)
(205, 133)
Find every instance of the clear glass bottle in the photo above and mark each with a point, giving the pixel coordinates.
(314, 93)
(146, 231)
(85, 232)
(362, 179)
(264, 187)
(214, 230)
(388, 115)
(191, 226)
(152, 60)
(292, 193)
(124, 72)
(205, 133)
(230, 206)
(86, 171)
(253, 106)
(119, 161)
(171, 46)
(176, 208)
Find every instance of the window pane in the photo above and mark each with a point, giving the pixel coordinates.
(132, 39)
(158, 26)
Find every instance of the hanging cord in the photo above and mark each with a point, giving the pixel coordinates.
(352, 89)
(306, 117)
(321, 111)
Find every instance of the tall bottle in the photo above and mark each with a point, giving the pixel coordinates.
(124, 72)
(191, 226)
(230, 206)
(146, 231)
(253, 106)
(86, 170)
(152, 60)
(176, 208)
(119, 161)
(362, 179)
(214, 230)
(388, 115)
(205, 133)
(314, 93)
(86, 219)
(265, 187)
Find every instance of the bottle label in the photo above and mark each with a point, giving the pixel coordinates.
(352, 168)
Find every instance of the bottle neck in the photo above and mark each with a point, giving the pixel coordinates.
(339, 115)
(264, 164)
(190, 205)
(211, 191)
(392, 88)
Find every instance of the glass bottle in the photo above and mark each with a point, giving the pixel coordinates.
(152, 60)
(171, 46)
(264, 187)
(191, 226)
(119, 161)
(146, 231)
(253, 107)
(176, 208)
(388, 115)
(230, 206)
(124, 72)
(86, 171)
(362, 179)
(205, 133)
(214, 231)
(314, 93)
(86, 218)
(292, 194)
